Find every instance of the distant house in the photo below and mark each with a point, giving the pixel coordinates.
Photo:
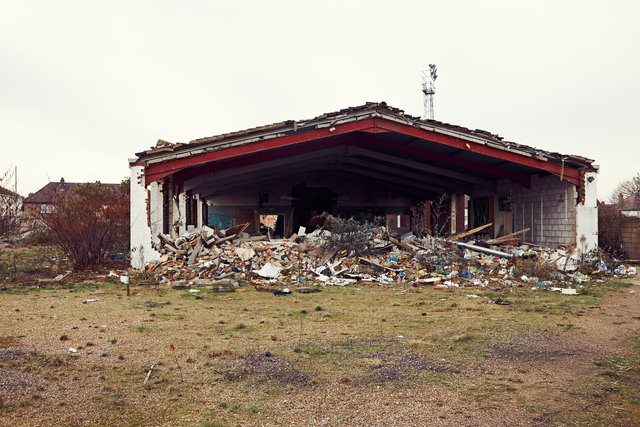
(42, 200)
(630, 206)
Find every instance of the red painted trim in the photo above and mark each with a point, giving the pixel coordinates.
(570, 174)
(265, 156)
(156, 171)
(237, 156)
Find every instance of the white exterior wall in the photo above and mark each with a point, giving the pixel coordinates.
(587, 215)
(154, 191)
(141, 250)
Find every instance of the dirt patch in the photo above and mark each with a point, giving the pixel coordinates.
(11, 354)
(15, 385)
(268, 366)
(395, 362)
(539, 347)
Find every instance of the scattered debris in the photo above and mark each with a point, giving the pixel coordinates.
(224, 260)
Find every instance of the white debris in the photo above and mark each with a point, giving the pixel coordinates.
(245, 254)
(269, 271)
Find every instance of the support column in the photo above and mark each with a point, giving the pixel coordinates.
(493, 218)
(182, 212)
(587, 216)
(460, 208)
(198, 212)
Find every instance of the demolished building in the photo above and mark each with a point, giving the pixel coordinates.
(366, 161)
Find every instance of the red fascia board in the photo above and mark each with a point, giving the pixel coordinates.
(569, 173)
(160, 170)
(157, 171)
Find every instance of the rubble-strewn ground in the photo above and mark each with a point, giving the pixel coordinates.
(362, 354)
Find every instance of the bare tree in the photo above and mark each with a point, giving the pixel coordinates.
(9, 206)
(630, 187)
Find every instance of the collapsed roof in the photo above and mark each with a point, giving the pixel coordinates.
(374, 142)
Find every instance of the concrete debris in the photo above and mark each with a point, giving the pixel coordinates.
(224, 260)
(269, 271)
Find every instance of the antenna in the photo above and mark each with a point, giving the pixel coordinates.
(429, 89)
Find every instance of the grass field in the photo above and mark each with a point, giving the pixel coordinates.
(353, 355)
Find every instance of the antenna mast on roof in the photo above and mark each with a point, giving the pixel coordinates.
(429, 89)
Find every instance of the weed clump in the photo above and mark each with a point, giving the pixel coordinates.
(349, 235)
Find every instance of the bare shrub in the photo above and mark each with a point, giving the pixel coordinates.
(9, 206)
(349, 234)
(90, 223)
(439, 219)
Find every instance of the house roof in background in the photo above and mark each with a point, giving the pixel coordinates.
(631, 203)
(48, 192)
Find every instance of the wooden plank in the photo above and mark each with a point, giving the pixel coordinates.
(401, 244)
(508, 236)
(472, 231)
(215, 242)
(166, 240)
(195, 252)
(236, 229)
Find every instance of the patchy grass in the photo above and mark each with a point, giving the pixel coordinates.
(16, 263)
(252, 358)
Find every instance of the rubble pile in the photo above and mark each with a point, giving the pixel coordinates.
(228, 258)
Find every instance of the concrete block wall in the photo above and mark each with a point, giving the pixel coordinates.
(548, 208)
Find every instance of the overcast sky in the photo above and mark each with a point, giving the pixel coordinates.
(86, 84)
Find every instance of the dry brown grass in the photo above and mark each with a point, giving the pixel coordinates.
(370, 355)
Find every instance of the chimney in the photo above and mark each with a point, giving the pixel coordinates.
(620, 200)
